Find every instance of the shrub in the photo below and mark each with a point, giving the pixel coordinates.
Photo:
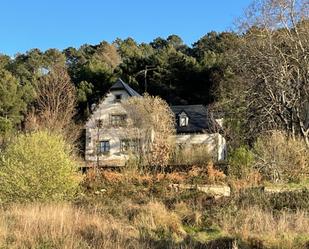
(188, 215)
(288, 200)
(6, 126)
(281, 158)
(240, 162)
(155, 121)
(156, 222)
(37, 166)
(214, 175)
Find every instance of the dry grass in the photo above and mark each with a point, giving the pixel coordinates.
(62, 226)
(66, 226)
(142, 226)
(283, 230)
(252, 179)
(156, 221)
(188, 215)
(208, 174)
(173, 177)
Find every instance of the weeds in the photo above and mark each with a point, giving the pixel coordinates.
(284, 230)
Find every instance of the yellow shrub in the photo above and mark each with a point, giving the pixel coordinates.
(37, 166)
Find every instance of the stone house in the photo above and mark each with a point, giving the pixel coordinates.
(108, 138)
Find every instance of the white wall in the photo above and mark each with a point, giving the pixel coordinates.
(107, 132)
(215, 143)
(222, 148)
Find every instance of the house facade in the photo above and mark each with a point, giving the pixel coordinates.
(109, 138)
(107, 134)
(196, 126)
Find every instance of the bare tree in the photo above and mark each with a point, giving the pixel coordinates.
(274, 63)
(54, 107)
(155, 124)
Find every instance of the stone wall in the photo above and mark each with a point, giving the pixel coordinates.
(212, 190)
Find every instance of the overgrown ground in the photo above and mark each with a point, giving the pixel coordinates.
(133, 210)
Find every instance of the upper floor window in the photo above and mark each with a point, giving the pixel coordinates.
(104, 147)
(99, 123)
(183, 119)
(118, 98)
(118, 119)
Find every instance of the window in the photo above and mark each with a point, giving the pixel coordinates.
(118, 120)
(118, 98)
(183, 120)
(104, 147)
(127, 145)
(89, 139)
(99, 123)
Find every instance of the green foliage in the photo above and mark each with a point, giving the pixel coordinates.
(241, 162)
(4, 61)
(175, 41)
(287, 200)
(12, 103)
(37, 167)
(6, 126)
(84, 90)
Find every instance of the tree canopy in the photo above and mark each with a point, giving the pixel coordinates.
(257, 76)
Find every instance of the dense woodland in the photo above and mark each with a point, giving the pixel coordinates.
(179, 73)
(256, 77)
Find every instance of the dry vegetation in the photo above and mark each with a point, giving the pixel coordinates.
(66, 226)
(134, 209)
(281, 158)
(150, 225)
(55, 105)
(155, 120)
(62, 226)
(282, 230)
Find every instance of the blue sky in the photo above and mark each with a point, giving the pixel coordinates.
(44, 24)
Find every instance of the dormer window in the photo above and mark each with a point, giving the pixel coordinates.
(118, 98)
(183, 119)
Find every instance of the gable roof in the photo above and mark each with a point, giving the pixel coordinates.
(120, 85)
(200, 120)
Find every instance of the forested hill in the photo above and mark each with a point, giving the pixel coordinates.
(258, 78)
(175, 71)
